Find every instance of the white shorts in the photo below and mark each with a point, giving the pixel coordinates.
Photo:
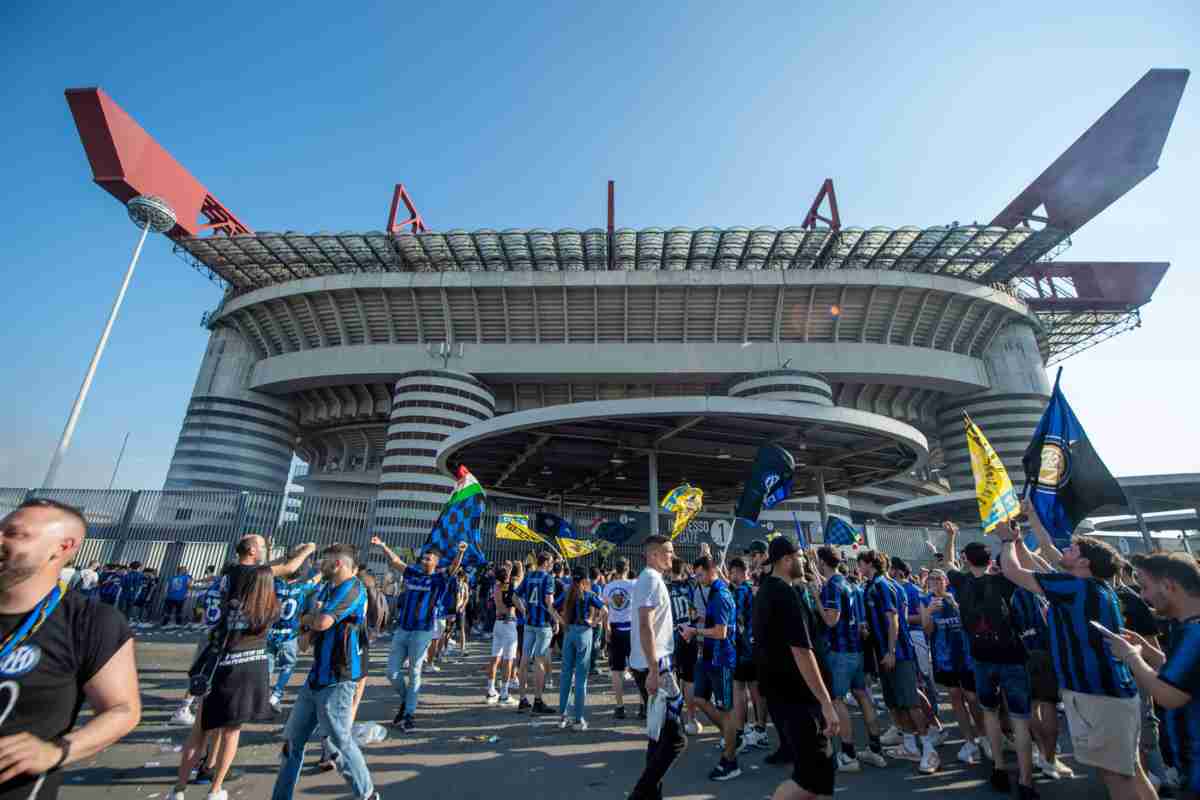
(439, 627)
(504, 640)
(921, 649)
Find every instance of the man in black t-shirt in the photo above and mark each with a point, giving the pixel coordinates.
(72, 650)
(790, 677)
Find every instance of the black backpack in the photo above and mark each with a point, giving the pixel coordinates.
(987, 618)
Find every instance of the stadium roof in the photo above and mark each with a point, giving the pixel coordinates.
(963, 251)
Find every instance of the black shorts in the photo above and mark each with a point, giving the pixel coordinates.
(964, 679)
(618, 649)
(802, 730)
(685, 659)
(239, 692)
(745, 672)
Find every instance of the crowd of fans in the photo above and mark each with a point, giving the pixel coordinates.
(777, 648)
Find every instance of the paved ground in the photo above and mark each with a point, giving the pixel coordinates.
(448, 756)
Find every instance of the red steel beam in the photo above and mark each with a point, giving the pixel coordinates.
(814, 212)
(417, 223)
(127, 162)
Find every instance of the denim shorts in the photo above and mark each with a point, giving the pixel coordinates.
(537, 641)
(1011, 679)
(714, 684)
(847, 672)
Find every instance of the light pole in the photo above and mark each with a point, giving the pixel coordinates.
(150, 214)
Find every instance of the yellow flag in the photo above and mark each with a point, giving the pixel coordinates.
(574, 548)
(685, 501)
(993, 489)
(515, 527)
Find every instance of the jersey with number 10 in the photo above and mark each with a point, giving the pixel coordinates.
(293, 598)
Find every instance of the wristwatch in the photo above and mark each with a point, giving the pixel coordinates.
(64, 744)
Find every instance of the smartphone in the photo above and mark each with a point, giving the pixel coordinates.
(1101, 628)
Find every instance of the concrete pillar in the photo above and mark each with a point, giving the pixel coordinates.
(784, 384)
(1008, 412)
(652, 470)
(428, 406)
(233, 438)
(822, 504)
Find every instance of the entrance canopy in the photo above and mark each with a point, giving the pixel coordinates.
(602, 451)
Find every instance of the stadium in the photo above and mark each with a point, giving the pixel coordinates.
(596, 368)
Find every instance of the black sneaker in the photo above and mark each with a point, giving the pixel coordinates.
(408, 723)
(523, 705)
(619, 712)
(398, 718)
(999, 781)
(642, 711)
(540, 707)
(1027, 793)
(778, 758)
(204, 776)
(724, 771)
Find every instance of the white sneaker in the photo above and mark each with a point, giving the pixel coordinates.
(969, 753)
(276, 701)
(693, 727)
(564, 723)
(871, 758)
(433, 668)
(508, 702)
(183, 716)
(929, 762)
(903, 753)
(493, 697)
(221, 795)
(891, 737)
(985, 745)
(1054, 770)
(579, 726)
(178, 794)
(847, 764)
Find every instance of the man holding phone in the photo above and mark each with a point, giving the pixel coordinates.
(1098, 691)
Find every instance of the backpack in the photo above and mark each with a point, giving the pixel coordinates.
(987, 619)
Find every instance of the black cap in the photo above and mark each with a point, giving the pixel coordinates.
(757, 546)
(781, 546)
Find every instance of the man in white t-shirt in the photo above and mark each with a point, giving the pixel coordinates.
(618, 596)
(653, 643)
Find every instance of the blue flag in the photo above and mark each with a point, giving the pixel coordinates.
(801, 541)
(553, 527)
(460, 521)
(838, 531)
(1064, 477)
(770, 480)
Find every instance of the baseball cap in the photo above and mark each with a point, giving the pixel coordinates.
(757, 546)
(781, 546)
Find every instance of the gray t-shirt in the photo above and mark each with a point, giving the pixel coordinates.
(650, 591)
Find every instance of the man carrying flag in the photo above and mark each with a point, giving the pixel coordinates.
(1065, 479)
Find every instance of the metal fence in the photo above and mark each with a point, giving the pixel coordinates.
(199, 529)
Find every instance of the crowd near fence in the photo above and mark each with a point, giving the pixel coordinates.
(167, 530)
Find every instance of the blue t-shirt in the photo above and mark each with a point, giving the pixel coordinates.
(338, 652)
(948, 646)
(1029, 615)
(721, 609)
(837, 595)
(177, 587)
(1082, 659)
(537, 586)
(882, 597)
(914, 598)
(743, 598)
(422, 593)
(1182, 725)
(293, 600)
(110, 587)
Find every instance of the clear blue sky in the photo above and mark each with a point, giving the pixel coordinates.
(510, 115)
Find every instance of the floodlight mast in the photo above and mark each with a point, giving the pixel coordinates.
(150, 214)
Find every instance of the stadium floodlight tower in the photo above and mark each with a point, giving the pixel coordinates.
(150, 214)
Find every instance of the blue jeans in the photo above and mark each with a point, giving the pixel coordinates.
(282, 654)
(576, 661)
(411, 645)
(330, 708)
